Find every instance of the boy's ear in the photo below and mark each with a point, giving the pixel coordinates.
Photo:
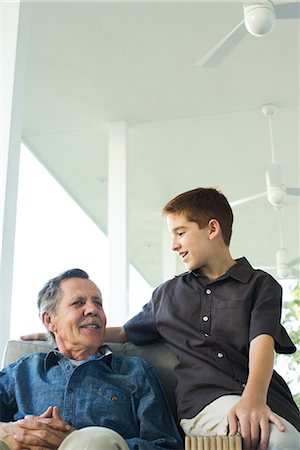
(214, 228)
(47, 321)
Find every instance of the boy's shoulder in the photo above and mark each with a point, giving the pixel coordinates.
(175, 279)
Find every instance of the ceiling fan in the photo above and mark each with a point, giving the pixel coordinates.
(284, 267)
(276, 190)
(259, 19)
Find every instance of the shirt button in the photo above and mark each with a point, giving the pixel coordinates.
(208, 291)
(220, 355)
(206, 335)
(70, 390)
(205, 318)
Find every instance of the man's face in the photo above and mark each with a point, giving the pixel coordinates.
(189, 241)
(79, 320)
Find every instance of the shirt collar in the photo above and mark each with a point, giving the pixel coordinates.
(241, 271)
(54, 356)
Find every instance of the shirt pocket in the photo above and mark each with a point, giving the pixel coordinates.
(232, 321)
(114, 396)
(111, 405)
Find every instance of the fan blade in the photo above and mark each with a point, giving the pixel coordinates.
(247, 199)
(294, 262)
(293, 191)
(220, 51)
(295, 273)
(287, 11)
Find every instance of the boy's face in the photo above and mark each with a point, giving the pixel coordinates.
(191, 243)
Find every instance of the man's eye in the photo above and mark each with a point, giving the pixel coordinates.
(98, 303)
(78, 302)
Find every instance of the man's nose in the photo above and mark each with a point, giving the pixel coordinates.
(90, 308)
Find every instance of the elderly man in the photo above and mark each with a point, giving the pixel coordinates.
(81, 395)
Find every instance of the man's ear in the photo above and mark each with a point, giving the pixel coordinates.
(214, 229)
(47, 321)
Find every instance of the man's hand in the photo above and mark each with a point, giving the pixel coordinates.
(50, 417)
(254, 419)
(36, 432)
(7, 433)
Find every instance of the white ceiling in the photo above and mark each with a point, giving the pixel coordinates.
(188, 126)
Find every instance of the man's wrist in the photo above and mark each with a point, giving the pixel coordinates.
(3, 431)
(3, 445)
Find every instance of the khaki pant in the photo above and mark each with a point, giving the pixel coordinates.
(212, 420)
(89, 438)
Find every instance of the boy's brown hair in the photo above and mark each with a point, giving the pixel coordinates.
(200, 205)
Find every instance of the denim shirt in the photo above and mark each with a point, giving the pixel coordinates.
(116, 392)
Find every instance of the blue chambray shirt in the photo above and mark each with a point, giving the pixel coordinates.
(116, 392)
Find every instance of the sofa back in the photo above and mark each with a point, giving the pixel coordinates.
(158, 354)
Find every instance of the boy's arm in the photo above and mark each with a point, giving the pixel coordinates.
(252, 411)
(112, 334)
(34, 337)
(115, 334)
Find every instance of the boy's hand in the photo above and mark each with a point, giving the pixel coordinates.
(254, 422)
(34, 337)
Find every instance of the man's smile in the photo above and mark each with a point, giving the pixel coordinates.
(92, 325)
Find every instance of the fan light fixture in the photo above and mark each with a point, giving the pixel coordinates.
(282, 263)
(259, 18)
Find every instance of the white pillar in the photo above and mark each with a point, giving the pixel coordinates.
(117, 304)
(14, 21)
(168, 256)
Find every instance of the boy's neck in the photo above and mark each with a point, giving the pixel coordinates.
(219, 266)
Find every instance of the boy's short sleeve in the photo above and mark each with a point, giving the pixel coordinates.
(266, 315)
(141, 329)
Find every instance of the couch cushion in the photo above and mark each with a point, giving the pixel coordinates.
(16, 349)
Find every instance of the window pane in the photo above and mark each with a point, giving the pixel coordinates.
(52, 235)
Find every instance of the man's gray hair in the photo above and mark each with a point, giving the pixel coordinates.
(51, 293)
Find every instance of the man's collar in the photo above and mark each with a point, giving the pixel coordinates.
(54, 356)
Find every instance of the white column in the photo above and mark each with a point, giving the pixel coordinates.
(14, 21)
(168, 256)
(117, 304)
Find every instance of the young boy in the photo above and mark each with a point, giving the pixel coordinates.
(222, 320)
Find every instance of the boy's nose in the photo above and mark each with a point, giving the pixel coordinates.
(174, 245)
